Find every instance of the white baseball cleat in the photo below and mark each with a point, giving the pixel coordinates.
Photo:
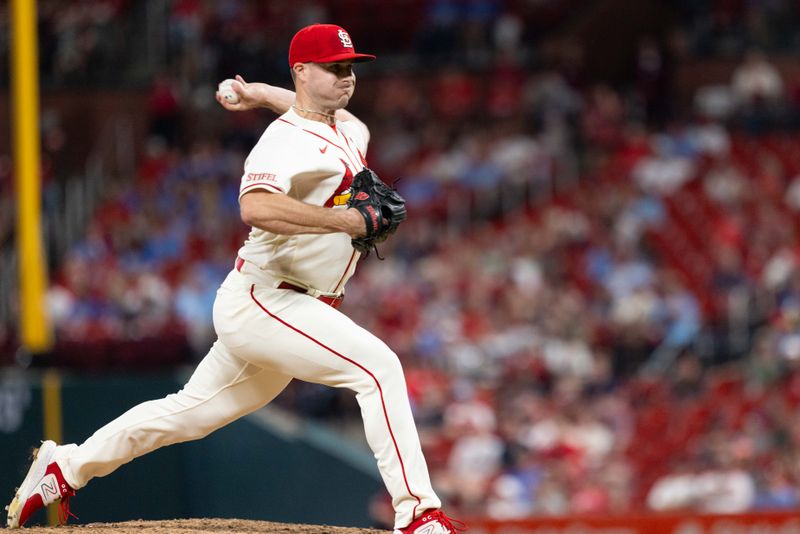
(432, 522)
(44, 484)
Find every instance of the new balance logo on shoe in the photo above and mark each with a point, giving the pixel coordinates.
(49, 487)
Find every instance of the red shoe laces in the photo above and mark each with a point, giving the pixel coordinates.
(63, 510)
(453, 524)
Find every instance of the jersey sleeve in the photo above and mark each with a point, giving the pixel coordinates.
(354, 132)
(270, 166)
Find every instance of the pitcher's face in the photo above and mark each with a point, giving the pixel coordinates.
(329, 85)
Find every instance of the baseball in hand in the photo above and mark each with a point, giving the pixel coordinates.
(227, 92)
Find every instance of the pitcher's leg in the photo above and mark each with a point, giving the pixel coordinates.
(383, 398)
(222, 389)
(318, 344)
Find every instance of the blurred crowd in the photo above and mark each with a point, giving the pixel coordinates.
(565, 354)
(108, 42)
(596, 297)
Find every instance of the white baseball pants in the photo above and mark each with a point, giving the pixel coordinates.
(266, 337)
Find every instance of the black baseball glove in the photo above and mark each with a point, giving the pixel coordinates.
(381, 206)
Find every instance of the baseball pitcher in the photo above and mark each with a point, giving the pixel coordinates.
(314, 208)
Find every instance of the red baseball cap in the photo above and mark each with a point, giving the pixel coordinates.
(323, 43)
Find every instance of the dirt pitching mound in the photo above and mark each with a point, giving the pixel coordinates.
(198, 526)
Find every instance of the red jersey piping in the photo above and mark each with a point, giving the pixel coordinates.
(349, 156)
(276, 188)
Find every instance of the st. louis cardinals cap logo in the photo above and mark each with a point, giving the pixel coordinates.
(345, 39)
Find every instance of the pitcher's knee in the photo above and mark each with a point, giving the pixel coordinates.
(386, 373)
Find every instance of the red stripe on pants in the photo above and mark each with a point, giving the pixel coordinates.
(377, 383)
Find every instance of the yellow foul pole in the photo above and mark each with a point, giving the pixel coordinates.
(34, 328)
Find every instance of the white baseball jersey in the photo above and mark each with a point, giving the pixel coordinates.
(314, 163)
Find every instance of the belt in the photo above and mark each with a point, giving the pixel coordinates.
(333, 302)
